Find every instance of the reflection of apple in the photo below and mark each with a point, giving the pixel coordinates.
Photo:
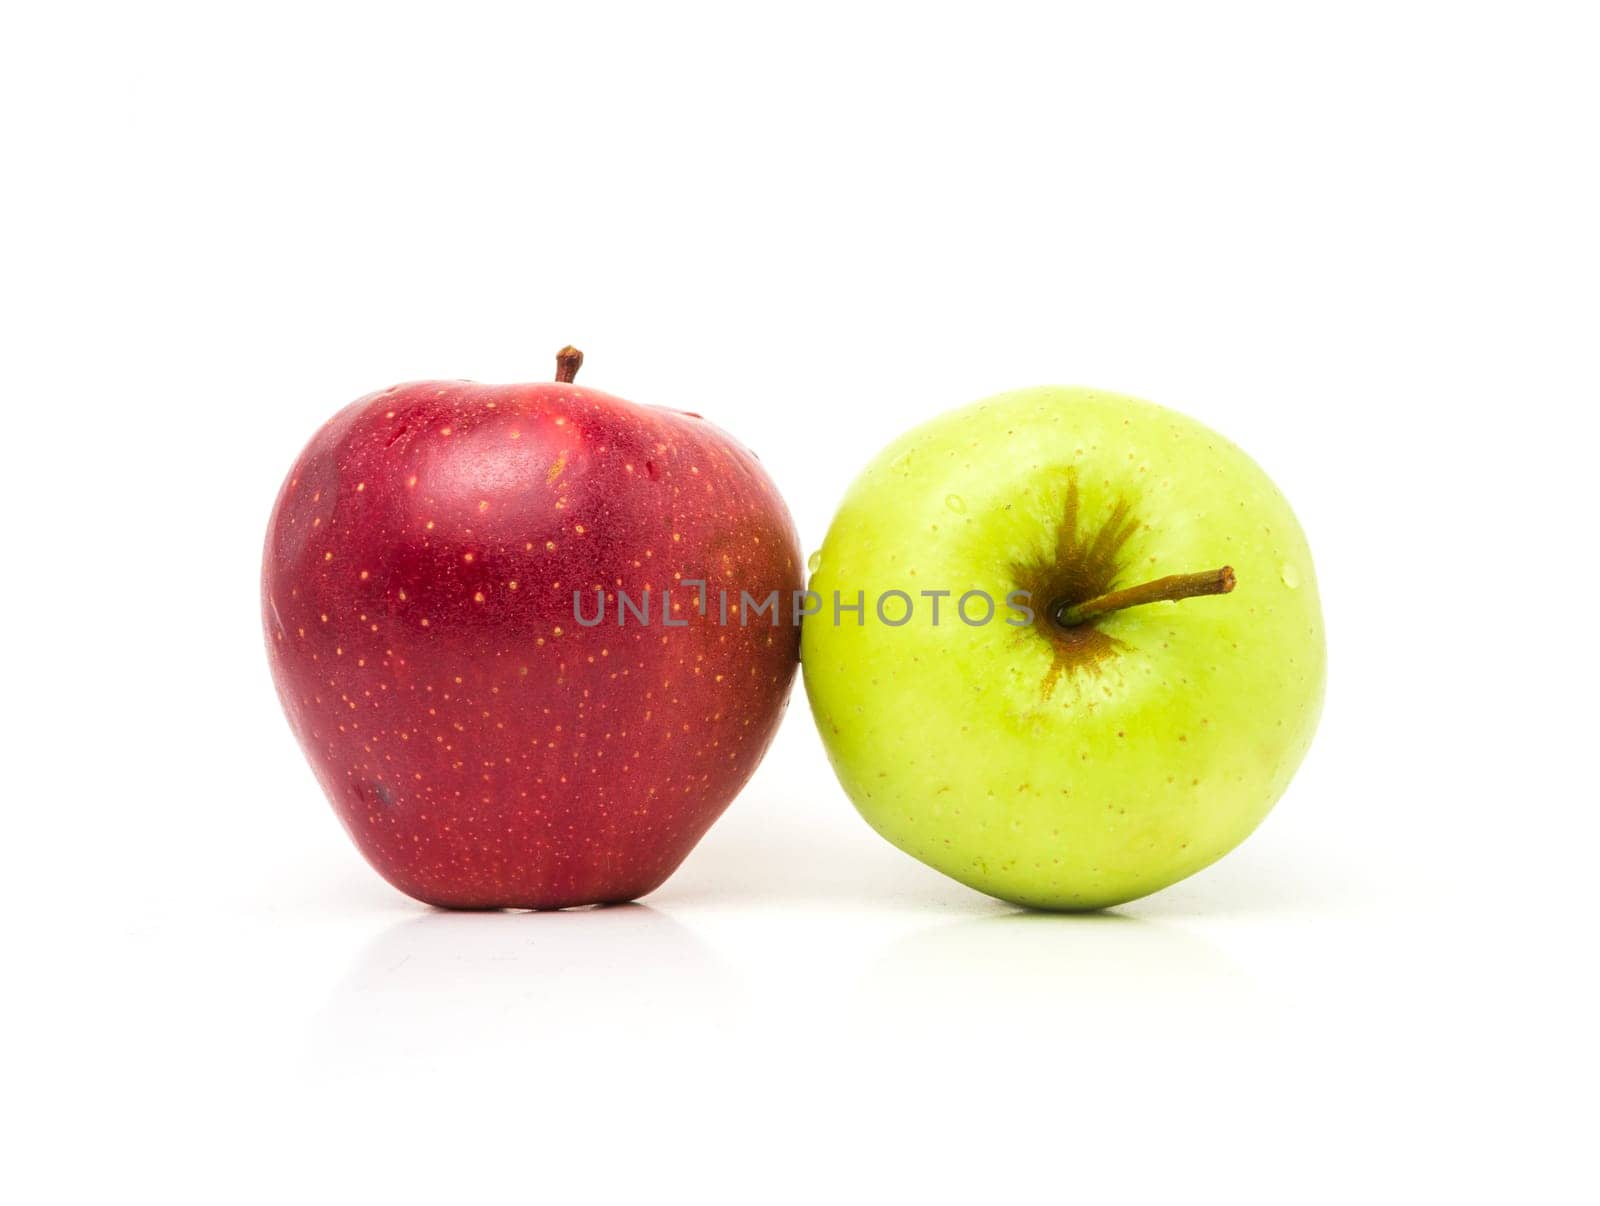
(1112, 975)
(1119, 739)
(483, 747)
(546, 996)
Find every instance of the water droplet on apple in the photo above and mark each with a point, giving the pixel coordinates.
(956, 503)
(1290, 576)
(814, 562)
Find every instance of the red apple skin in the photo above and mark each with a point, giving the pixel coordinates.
(482, 748)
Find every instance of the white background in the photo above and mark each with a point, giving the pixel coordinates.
(1360, 239)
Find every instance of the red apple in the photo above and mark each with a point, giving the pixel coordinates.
(483, 747)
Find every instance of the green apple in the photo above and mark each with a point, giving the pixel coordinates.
(1148, 682)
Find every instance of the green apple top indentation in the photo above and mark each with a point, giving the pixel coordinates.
(1082, 582)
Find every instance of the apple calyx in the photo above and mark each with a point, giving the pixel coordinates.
(568, 361)
(1162, 590)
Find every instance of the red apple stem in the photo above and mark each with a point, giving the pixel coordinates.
(568, 361)
(1162, 590)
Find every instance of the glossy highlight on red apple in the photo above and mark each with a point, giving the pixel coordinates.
(482, 748)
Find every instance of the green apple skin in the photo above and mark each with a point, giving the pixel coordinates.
(1065, 769)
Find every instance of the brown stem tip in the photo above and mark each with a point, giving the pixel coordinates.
(1162, 590)
(568, 361)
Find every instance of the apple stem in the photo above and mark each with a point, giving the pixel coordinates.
(1162, 590)
(568, 361)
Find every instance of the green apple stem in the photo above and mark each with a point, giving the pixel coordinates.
(568, 361)
(1162, 590)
